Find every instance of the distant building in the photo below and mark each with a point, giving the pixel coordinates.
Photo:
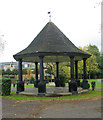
(6, 65)
(12, 65)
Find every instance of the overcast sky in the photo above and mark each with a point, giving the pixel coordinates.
(22, 20)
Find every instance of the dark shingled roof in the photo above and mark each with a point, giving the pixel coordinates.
(52, 44)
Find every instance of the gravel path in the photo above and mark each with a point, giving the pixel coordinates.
(12, 108)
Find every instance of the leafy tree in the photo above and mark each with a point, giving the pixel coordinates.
(15, 71)
(33, 71)
(32, 80)
(93, 49)
(50, 68)
(29, 72)
(101, 66)
(8, 71)
(3, 72)
(92, 64)
(80, 69)
(64, 69)
(24, 71)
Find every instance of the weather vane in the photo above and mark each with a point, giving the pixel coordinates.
(49, 13)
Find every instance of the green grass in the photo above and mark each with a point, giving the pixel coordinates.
(89, 94)
(90, 80)
(50, 85)
(32, 85)
(29, 85)
(95, 80)
(98, 84)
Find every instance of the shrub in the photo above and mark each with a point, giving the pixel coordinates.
(5, 85)
(62, 80)
(32, 80)
(93, 85)
(14, 81)
(47, 80)
(25, 79)
(88, 85)
(81, 85)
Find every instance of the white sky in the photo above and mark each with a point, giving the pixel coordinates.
(22, 20)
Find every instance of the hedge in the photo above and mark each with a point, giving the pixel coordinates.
(32, 80)
(5, 86)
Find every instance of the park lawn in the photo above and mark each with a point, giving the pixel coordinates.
(50, 85)
(95, 80)
(97, 84)
(90, 80)
(29, 85)
(89, 94)
(32, 85)
(66, 84)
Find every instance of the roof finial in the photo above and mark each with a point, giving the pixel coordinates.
(49, 13)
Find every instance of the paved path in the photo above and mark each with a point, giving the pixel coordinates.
(72, 109)
(51, 108)
(90, 108)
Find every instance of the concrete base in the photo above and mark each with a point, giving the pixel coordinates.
(41, 94)
(74, 92)
(52, 91)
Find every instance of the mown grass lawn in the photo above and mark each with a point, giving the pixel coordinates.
(47, 85)
(32, 85)
(89, 94)
(29, 85)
